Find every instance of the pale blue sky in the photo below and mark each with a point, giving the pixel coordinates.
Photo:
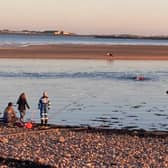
(148, 17)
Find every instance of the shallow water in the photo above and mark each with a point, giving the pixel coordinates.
(91, 92)
(8, 40)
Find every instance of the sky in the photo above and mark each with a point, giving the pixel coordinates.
(141, 17)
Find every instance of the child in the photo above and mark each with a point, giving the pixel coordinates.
(44, 105)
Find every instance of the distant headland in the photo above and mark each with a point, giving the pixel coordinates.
(130, 36)
(64, 33)
(32, 32)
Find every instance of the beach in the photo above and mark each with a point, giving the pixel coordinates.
(60, 147)
(82, 51)
(87, 147)
(94, 80)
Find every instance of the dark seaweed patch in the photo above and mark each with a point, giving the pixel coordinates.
(132, 116)
(100, 120)
(160, 115)
(115, 122)
(115, 111)
(130, 127)
(163, 125)
(137, 106)
(114, 118)
(161, 110)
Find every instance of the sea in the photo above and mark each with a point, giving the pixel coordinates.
(98, 93)
(21, 40)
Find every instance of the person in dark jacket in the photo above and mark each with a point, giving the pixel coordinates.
(22, 105)
(44, 105)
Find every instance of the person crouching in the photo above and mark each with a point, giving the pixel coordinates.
(44, 105)
(9, 115)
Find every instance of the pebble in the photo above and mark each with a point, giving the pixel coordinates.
(3, 140)
(62, 139)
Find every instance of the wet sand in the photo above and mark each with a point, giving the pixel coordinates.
(82, 147)
(76, 51)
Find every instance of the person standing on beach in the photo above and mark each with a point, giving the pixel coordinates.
(22, 105)
(44, 105)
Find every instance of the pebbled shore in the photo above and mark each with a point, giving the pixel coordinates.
(85, 147)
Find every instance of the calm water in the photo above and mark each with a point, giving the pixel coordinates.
(89, 92)
(25, 40)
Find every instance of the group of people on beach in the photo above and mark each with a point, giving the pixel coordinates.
(9, 115)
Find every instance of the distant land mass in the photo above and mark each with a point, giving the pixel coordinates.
(129, 36)
(30, 32)
(63, 33)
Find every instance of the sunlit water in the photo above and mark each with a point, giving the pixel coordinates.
(90, 92)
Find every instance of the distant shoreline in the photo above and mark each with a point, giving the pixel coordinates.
(114, 36)
(132, 37)
(79, 51)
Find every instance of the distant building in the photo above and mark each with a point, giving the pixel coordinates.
(62, 33)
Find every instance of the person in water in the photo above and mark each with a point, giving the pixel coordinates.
(44, 105)
(9, 115)
(22, 106)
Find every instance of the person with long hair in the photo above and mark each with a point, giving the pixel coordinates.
(22, 106)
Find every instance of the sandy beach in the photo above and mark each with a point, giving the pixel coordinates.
(76, 51)
(61, 147)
